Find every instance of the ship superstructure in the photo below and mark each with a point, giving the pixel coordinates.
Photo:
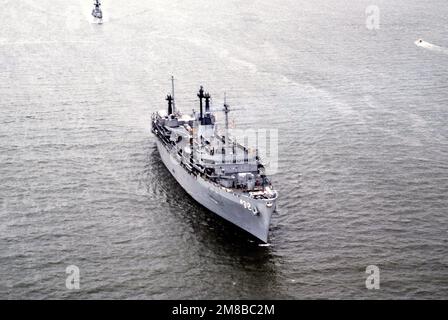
(226, 177)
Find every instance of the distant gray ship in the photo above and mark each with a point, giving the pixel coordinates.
(224, 176)
(96, 12)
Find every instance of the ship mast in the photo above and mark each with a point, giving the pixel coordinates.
(226, 112)
(172, 93)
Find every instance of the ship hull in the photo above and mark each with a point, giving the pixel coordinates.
(237, 209)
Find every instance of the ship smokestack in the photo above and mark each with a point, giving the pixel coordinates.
(169, 98)
(207, 102)
(201, 96)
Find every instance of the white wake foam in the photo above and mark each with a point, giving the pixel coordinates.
(265, 245)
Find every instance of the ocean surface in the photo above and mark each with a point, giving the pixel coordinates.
(361, 115)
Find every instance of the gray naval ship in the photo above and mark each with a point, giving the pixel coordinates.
(222, 175)
(96, 12)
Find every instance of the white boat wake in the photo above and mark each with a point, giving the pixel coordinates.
(264, 245)
(431, 46)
